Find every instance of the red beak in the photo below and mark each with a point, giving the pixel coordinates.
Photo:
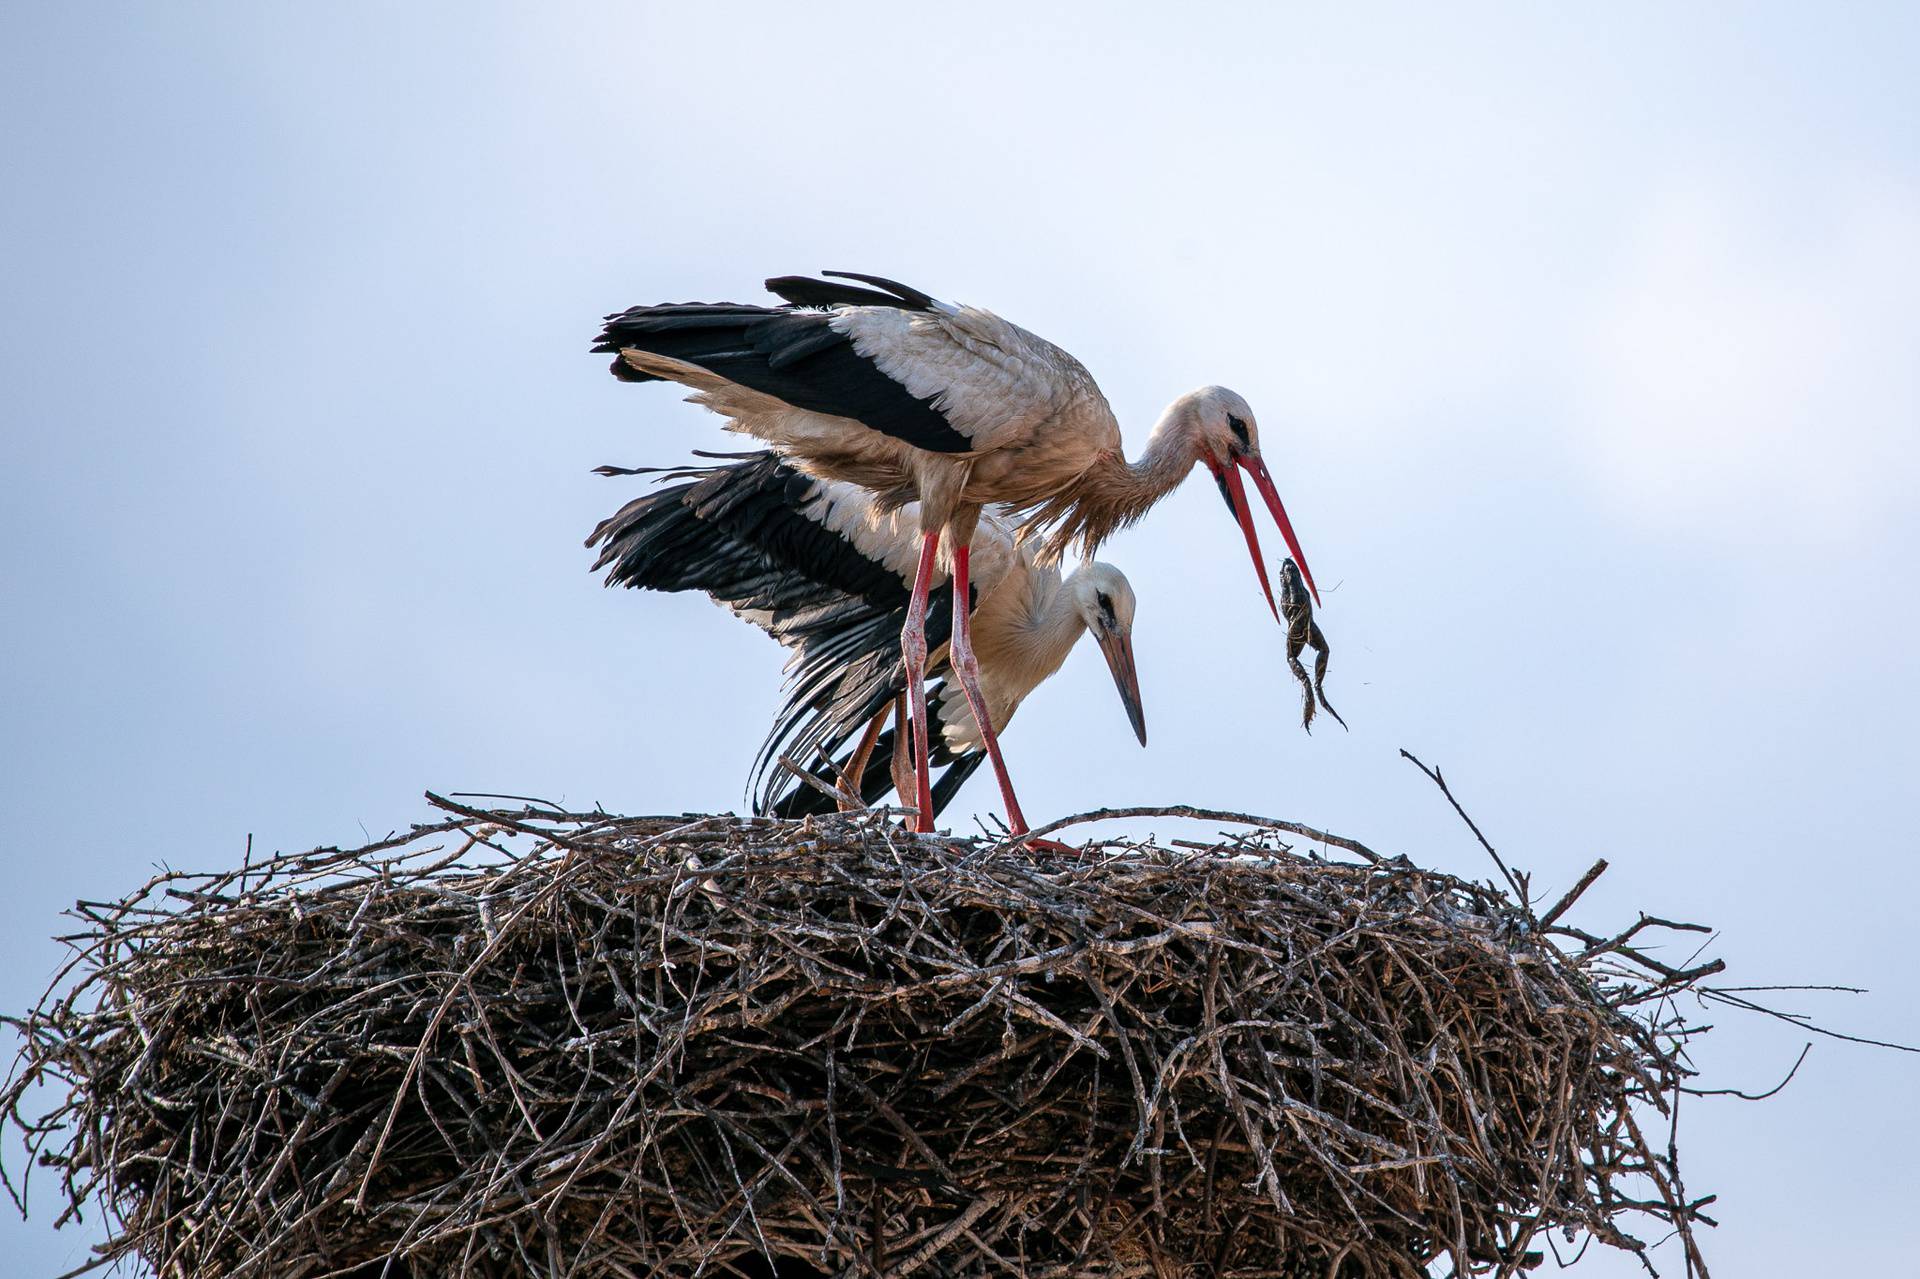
(1237, 501)
(1258, 469)
(1236, 495)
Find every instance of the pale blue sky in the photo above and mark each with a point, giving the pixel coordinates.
(1583, 345)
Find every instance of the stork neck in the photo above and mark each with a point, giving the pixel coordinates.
(1160, 469)
(1059, 625)
(1053, 626)
(1113, 492)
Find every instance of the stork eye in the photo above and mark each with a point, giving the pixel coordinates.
(1239, 429)
(1106, 604)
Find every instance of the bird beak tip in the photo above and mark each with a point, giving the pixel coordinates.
(1236, 494)
(1263, 480)
(1117, 648)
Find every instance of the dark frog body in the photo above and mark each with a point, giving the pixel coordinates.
(1302, 630)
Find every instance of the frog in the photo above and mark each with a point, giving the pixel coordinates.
(1296, 605)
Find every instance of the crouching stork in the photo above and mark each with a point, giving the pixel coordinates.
(915, 400)
(825, 569)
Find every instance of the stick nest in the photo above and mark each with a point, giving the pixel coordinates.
(528, 1043)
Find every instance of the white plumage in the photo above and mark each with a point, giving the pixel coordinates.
(948, 407)
(823, 568)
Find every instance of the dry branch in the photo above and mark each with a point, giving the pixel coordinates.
(526, 1042)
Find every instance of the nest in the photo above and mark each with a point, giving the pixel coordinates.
(536, 1043)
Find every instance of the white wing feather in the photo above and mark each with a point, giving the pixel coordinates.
(994, 381)
(892, 538)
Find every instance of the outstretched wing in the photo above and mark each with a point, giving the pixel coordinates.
(800, 559)
(939, 377)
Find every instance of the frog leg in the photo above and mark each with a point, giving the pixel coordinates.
(1320, 672)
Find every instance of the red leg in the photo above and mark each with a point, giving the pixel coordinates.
(967, 669)
(902, 763)
(853, 780)
(913, 651)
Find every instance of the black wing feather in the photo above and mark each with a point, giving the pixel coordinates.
(804, 290)
(789, 352)
(801, 800)
(913, 298)
(801, 290)
(738, 534)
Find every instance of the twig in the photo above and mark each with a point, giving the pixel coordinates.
(487, 794)
(1209, 815)
(1519, 890)
(839, 795)
(1573, 894)
(1754, 1096)
(1721, 995)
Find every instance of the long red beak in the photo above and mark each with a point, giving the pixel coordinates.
(1258, 469)
(1237, 500)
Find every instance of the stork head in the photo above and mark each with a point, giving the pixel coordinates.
(1104, 599)
(1227, 441)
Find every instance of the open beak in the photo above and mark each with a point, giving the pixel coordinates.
(1117, 648)
(1236, 496)
(1257, 468)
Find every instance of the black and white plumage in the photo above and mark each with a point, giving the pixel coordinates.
(823, 569)
(952, 408)
(797, 357)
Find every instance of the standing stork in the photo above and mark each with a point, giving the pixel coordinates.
(954, 408)
(818, 566)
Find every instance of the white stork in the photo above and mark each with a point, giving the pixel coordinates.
(822, 568)
(918, 400)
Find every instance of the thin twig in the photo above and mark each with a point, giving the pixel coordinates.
(1573, 894)
(1208, 815)
(1519, 890)
(841, 796)
(1754, 1096)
